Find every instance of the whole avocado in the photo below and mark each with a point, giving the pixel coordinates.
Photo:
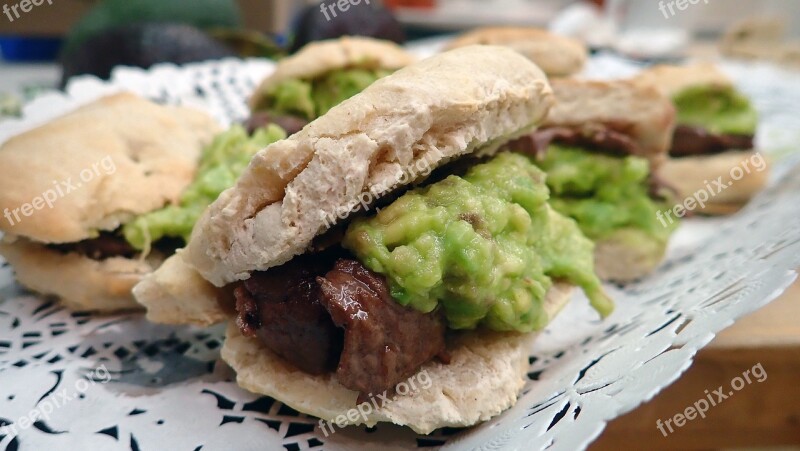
(203, 14)
(362, 19)
(141, 45)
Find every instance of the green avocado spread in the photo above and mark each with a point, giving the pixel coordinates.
(721, 110)
(604, 193)
(221, 163)
(313, 98)
(485, 247)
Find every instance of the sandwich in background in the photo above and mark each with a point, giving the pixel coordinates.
(600, 147)
(463, 262)
(761, 38)
(333, 71)
(321, 75)
(557, 56)
(69, 185)
(714, 135)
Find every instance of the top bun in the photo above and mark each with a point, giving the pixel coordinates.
(321, 57)
(557, 56)
(101, 165)
(671, 80)
(469, 100)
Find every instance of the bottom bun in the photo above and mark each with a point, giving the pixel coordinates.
(81, 284)
(627, 255)
(690, 175)
(177, 294)
(484, 377)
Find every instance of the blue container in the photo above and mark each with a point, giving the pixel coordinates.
(19, 49)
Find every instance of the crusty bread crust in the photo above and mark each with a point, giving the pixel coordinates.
(176, 294)
(690, 175)
(639, 111)
(82, 284)
(671, 80)
(557, 56)
(321, 57)
(618, 260)
(484, 377)
(465, 101)
(154, 151)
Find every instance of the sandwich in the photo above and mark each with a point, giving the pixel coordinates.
(557, 56)
(301, 88)
(173, 165)
(713, 139)
(386, 242)
(760, 38)
(601, 147)
(321, 75)
(69, 185)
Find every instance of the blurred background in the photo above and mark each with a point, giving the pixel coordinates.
(44, 43)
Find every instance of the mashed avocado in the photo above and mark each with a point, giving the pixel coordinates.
(222, 162)
(720, 110)
(604, 193)
(486, 247)
(291, 97)
(313, 98)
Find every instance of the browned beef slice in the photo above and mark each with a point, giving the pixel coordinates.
(291, 124)
(282, 308)
(105, 246)
(689, 140)
(602, 139)
(384, 342)
(606, 140)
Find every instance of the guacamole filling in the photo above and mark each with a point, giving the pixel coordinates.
(480, 250)
(712, 119)
(310, 99)
(605, 194)
(221, 164)
(485, 247)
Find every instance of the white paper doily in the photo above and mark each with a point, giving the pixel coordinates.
(168, 392)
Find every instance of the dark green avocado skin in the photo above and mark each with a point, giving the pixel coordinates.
(360, 20)
(203, 14)
(140, 45)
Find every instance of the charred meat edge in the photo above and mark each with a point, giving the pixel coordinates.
(324, 314)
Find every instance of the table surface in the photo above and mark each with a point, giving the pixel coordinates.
(775, 325)
(765, 416)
